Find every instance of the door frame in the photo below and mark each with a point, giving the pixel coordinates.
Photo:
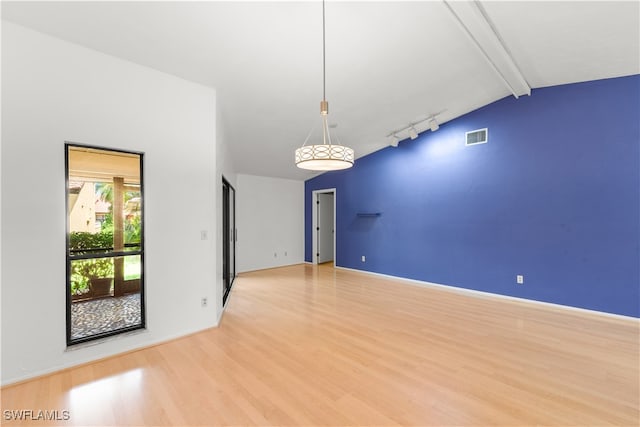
(314, 223)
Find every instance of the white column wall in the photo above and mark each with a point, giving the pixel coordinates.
(52, 92)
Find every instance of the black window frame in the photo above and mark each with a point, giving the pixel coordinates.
(113, 254)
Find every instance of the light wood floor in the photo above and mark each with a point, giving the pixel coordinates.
(304, 345)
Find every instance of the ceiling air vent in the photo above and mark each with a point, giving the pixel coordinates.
(480, 136)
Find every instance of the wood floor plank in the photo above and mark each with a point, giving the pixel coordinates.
(315, 346)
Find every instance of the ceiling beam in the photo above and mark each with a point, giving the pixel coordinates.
(476, 24)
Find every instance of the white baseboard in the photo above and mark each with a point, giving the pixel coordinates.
(271, 267)
(484, 294)
(91, 359)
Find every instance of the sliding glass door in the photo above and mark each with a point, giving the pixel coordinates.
(229, 238)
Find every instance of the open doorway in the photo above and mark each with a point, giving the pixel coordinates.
(324, 226)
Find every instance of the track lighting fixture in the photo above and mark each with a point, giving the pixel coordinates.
(411, 129)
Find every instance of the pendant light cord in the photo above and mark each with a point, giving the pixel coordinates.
(324, 54)
(326, 136)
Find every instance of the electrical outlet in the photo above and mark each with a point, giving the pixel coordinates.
(285, 253)
(275, 254)
(364, 259)
(520, 279)
(204, 235)
(203, 302)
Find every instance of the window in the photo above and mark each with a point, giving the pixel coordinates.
(105, 242)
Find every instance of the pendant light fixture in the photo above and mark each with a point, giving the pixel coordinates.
(326, 156)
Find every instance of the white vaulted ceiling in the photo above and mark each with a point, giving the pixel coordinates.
(388, 63)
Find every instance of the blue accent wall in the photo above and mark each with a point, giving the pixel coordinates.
(554, 195)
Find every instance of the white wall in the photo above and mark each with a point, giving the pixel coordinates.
(270, 217)
(52, 92)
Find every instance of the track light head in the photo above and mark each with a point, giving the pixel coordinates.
(433, 125)
(413, 134)
(393, 140)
